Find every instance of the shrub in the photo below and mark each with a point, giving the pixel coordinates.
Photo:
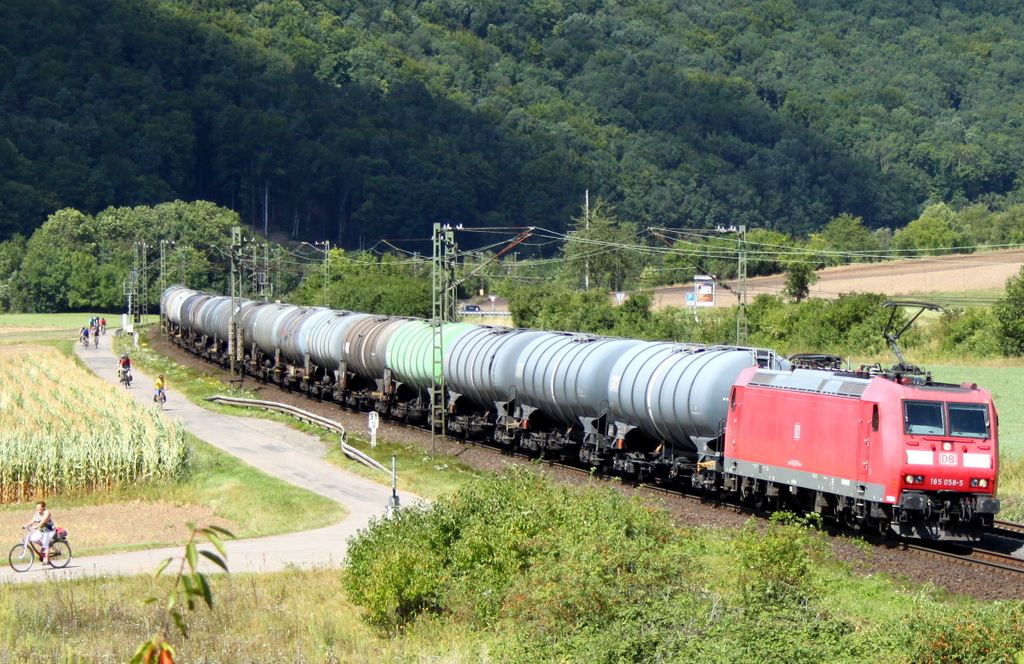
(971, 331)
(514, 545)
(941, 634)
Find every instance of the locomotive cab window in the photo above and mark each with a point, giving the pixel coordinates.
(923, 417)
(968, 420)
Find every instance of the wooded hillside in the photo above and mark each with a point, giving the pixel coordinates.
(353, 121)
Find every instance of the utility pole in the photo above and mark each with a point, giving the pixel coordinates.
(233, 340)
(134, 287)
(443, 301)
(142, 309)
(586, 222)
(262, 288)
(130, 288)
(327, 273)
(742, 329)
(163, 286)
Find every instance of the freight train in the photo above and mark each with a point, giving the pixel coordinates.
(880, 451)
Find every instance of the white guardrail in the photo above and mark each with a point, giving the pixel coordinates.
(310, 418)
(482, 313)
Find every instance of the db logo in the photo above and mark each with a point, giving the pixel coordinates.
(947, 459)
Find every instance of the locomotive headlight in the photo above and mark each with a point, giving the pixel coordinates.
(909, 479)
(979, 482)
(947, 446)
(914, 479)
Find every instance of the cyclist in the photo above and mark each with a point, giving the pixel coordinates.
(85, 336)
(124, 366)
(103, 326)
(158, 386)
(41, 525)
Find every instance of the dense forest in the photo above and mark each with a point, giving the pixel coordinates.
(354, 121)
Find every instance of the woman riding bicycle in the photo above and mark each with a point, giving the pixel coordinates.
(158, 388)
(41, 524)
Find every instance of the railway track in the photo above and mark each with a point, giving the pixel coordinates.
(1001, 563)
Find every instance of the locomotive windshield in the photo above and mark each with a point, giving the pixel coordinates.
(969, 420)
(924, 417)
(966, 420)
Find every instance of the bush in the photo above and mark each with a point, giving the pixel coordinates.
(1009, 315)
(850, 324)
(515, 545)
(940, 634)
(971, 331)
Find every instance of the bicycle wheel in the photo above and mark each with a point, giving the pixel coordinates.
(21, 558)
(60, 554)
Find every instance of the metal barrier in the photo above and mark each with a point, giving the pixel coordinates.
(310, 418)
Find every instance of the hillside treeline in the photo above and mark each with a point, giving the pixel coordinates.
(354, 121)
(77, 261)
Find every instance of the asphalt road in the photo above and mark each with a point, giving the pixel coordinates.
(272, 447)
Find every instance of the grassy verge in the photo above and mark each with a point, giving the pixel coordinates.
(767, 593)
(419, 472)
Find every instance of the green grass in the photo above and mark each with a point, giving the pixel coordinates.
(305, 615)
(975, 298)
(54, 320)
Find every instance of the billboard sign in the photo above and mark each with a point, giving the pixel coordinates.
(703, 291)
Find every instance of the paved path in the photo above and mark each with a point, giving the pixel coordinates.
(272, 447)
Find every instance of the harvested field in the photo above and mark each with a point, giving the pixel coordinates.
(968, 273)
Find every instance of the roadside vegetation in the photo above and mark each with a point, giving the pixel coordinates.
(515, 569)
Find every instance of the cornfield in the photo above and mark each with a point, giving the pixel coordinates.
(63, 430)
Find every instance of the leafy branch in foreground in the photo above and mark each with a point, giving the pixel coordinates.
(188, 587)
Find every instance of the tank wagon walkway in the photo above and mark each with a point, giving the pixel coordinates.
(272, 447)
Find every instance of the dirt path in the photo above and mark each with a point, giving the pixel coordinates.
(906, 278)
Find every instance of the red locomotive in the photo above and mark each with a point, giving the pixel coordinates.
(916, 457)
(884, 451)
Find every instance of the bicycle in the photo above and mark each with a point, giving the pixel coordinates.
(124, 376)
(85, 341)
(160, 396)
(96, 338)
(23, 555)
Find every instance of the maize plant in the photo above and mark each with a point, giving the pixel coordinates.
(63, 430)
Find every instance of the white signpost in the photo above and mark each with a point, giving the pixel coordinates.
(373, 422)
(492, 298)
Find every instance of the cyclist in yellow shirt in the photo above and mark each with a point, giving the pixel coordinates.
(159, 393)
